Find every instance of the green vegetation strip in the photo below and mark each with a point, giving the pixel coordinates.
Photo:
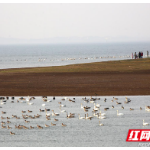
(115, 66)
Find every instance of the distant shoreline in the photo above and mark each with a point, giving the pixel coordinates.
(125, 77)
(64, 65)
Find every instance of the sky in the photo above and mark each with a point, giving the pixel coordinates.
(74, 22)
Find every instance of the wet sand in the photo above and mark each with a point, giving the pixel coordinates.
(75, 83)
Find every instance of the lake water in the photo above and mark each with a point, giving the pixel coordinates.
(18, 56)
(78, 132)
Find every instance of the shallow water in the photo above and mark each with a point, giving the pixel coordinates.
(78, 132)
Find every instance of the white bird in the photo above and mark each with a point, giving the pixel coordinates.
(100, 124)
(43, 105)
(62, 110)
(82, 106)
(65, 98)
(54, 114)
(147, 108)
(63, 105)
(27, 99)
(98, 105)
(102, 117)
(119, 114)
(81, 117)
(30, 103)
(48, 114)
(95, 108)
(102, 114)
(96, 115)
(88, 117)
(91, 101)
(49, 100)
(144, 123)
(2, 102)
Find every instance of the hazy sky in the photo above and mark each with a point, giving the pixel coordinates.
(110, 22)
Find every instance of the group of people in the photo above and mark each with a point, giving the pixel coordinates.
(139, 55)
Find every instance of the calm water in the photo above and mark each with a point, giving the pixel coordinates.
(16, 56)
(78, 132)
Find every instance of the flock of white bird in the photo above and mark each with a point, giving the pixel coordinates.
(96, 112)
(66, 59)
